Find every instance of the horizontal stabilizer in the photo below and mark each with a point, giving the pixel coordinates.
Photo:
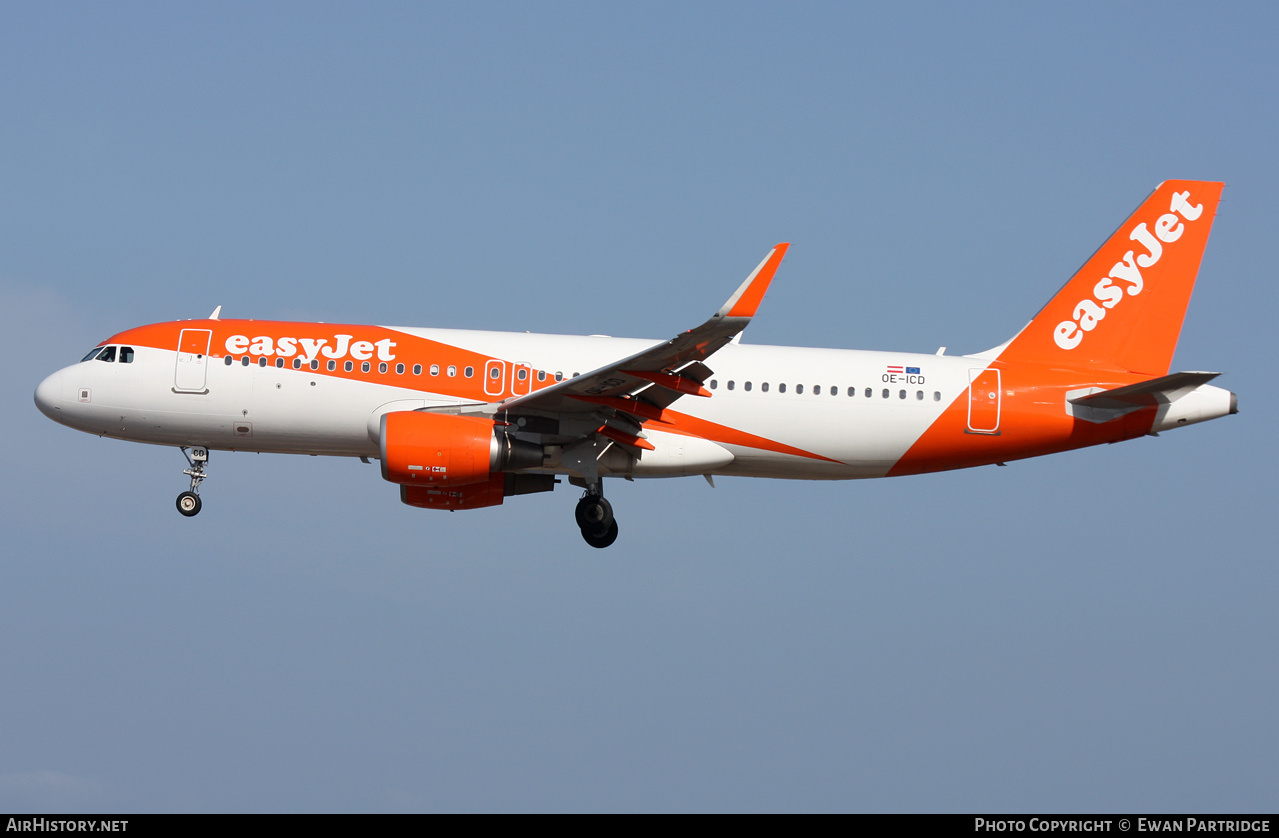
(1163, 390)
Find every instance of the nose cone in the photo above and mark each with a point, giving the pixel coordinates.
(49, 396)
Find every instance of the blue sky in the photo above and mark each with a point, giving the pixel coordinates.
(1091, 631)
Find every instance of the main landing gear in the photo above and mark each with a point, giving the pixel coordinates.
(594, 516)
(189, 501)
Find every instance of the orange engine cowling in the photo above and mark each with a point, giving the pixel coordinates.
(420, 448)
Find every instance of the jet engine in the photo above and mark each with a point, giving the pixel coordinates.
(446, 461)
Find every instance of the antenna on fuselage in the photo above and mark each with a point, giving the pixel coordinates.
(216, 312)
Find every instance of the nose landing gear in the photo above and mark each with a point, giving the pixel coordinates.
(594, 515)
(189, 501)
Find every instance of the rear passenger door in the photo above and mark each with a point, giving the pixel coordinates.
(983, 401)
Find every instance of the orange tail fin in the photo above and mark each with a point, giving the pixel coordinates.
(1123, 309)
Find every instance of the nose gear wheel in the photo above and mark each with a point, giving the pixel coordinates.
(189, 504)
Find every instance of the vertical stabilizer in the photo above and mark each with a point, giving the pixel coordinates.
(1123, 309)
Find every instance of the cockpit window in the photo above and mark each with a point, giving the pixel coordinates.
(108, 355)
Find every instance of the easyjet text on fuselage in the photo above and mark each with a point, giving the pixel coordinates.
(311, 348)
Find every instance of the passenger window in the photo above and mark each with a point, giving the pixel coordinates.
(126, 354)
(541, 375)
(901, 394)
(936, 396)
(244, 362)
(781, 388)
(919, 395)
(730, 384)
(714, 384)
(435, 369)
(315, 364)
(452, 371)
(885, 392)
(521, 374)
(399, 369)
(348, 366)
(279, 363)
(869, 392)
(559, 376)
(297, 363)
(468, 372)
(262, 361)
(364, 367)
(417, 369)
(229, 360)
(764, 387)
(382, 367)
(108, 355)
(747, 386)
(799, 388)
(852, 391)
(495, 373)
(333, 365)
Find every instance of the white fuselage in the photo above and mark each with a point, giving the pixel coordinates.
(843, 406)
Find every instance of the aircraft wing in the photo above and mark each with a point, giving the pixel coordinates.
(645, 383)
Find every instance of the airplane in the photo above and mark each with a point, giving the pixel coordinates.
(464, 419)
